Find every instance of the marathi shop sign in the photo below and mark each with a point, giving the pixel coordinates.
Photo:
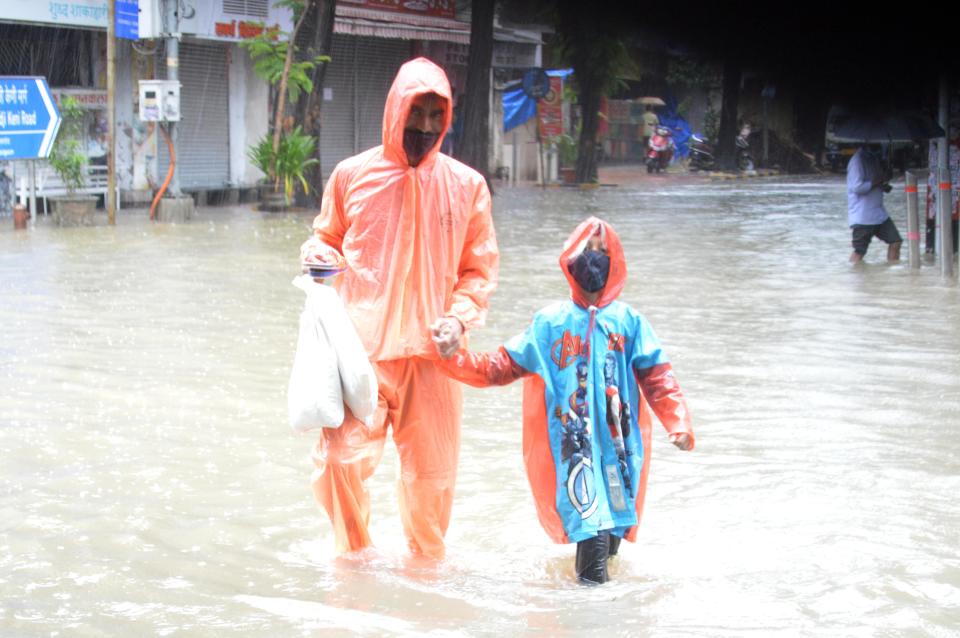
(439, 8)
(213, 21)
(81, 13)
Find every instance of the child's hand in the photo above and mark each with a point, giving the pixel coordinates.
(682, 440)
(446, 336)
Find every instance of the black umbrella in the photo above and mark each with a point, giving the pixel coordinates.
(881, 126)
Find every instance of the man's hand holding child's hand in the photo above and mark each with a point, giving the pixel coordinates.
(446, 335)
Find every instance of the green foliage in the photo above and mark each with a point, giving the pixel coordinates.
(67, 157)
(288, 166)
(692, 73)
(711, 121)
(269, 54)
(566, 149)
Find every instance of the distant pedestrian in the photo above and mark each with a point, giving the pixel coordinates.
(650, 124)
(867, 181)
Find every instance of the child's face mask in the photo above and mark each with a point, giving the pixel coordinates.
(590, 270)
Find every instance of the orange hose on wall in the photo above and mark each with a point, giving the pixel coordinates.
(166, 182)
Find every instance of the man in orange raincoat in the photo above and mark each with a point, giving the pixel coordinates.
(414, 228)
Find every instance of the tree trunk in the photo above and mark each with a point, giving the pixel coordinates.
(310, 106)
(727, 134)
(590, 96)
(282, 89)
(812, 109)
(473, 146)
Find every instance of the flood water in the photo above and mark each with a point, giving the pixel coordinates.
(149, 484)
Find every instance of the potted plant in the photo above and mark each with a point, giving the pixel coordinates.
(567, 154)
(69, 161)
(287, 166)
(274, 55)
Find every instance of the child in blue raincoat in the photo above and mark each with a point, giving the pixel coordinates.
(591, 366)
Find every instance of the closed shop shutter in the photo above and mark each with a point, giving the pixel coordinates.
(337, 141)
(360, 74)
(378, 59)
(203, 144)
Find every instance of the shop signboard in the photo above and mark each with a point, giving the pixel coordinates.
(438, 8)
(224, 21)
(80, 13)
(550, 110)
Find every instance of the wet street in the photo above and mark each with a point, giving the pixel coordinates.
(149, 484)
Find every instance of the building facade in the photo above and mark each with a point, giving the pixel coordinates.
(225, 106)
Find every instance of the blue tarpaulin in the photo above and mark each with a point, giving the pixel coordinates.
(680, 131)
(678, 127)
(518, 108)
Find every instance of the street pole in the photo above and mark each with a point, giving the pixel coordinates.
(766, 143)
(913, 219)
(111, 197)
(32, 176)
(944, 201)
(514, 154)
(172, 23)
(944, 194)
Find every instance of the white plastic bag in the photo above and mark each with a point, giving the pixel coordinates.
(314, 397)
(347, 357)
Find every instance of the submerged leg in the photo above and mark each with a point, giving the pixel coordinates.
(614, 545)
(893, 251)
(345, 458)
(591, 562)
(427, 435)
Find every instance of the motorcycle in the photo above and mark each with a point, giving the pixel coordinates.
(701, 154)
(659, 150)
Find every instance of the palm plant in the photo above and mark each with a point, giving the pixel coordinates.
(274, 60)
(67, 157)
(287, 165)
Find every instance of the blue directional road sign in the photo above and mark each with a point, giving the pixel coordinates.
(127, 19)
(29, 118)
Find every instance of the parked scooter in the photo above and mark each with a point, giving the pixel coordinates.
(701, 154)
(744, 158)
(659, 150)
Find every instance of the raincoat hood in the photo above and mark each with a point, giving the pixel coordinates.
(416, 77)
(575, 245)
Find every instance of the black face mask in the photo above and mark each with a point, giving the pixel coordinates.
(590, 270)
(416, 144)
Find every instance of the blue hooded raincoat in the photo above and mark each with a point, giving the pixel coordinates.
(591, 371)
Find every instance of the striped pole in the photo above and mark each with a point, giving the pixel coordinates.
(944, 202)
(913, 219)
(944, 196)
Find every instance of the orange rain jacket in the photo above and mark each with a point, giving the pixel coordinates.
(592, 372)
(418, 241)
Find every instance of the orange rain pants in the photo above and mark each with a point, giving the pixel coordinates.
(423, 407)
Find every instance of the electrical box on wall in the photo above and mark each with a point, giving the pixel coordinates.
(159, 101)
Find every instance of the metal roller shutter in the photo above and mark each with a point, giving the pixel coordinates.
(337, 141)
(378, 61)
(360, 74)
(203, 144)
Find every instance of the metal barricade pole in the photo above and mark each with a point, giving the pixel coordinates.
(913, 219)
(944, 207)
